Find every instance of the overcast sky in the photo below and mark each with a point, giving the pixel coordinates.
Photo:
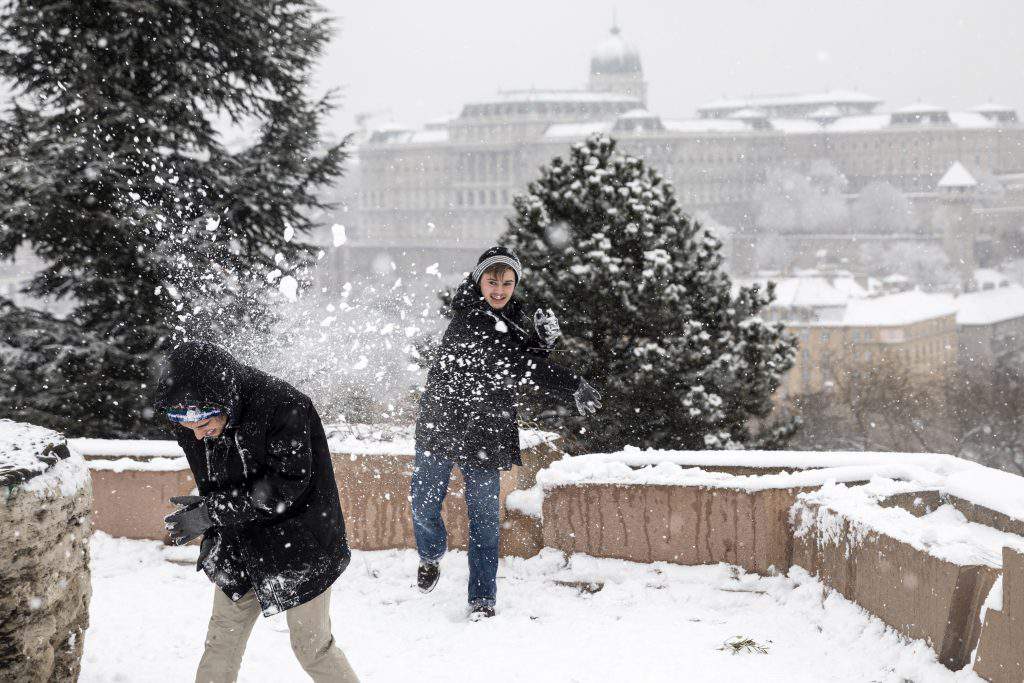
(417, 60)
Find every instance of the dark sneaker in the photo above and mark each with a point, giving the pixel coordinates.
(480, 610)
(427, 576)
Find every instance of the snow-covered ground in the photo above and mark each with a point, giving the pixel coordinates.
(657, 622)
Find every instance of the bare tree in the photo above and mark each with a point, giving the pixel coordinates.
(805, 202)
(879, 405)
(926, 265)
(987, 405)
(881, 208)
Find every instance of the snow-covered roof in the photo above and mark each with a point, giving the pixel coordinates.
(512, 96)
(429, 136)
(578, 130)
(404, 136)
(706, 126)
(391, 127)
(992, 108)
(857, 124)
(749, 113)
(440, 122)
(830, 111)
(968, 119)
(831, 97)
(987, 278)
(920, 108)
(957, 176)
(810, 289)
(873, 122)
(638, 113)
(904, 308)
(815, 292)
(796, 125)
(990, 306)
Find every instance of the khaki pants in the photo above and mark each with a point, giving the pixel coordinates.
(309, 626)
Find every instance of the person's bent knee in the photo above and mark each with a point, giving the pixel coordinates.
(310, 646)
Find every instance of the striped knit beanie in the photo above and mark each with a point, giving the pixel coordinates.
(179, 414)
(494, 256)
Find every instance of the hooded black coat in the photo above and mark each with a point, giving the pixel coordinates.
(468, 411)
(268, 480)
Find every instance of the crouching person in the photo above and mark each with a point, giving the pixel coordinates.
(468, 415)
(268, 511)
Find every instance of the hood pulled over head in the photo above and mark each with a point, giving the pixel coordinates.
(200, 374)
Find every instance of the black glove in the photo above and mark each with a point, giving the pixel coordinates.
(588, 399)
(547, 326)
(189, 521)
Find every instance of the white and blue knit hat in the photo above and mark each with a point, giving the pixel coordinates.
(180, 414)
(494, 256)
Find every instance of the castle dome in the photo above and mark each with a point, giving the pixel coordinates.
(615, 56)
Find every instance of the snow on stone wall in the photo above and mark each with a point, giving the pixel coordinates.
(915, 539)
(45, 501)
(1000, 657)
(912, 558)
(995, 490)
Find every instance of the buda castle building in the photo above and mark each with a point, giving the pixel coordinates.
(442, 193)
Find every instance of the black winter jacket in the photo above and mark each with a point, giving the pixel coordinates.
(468, 411)
(268, 480)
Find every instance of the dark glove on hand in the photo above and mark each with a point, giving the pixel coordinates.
(546, 325)
(188, 522)
(588, 399)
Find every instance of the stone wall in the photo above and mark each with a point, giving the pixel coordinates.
(374, 492)
(1000, 656)
(44, 569)
(133, 503)
(132, 497)
(918, 594)
(687, 525)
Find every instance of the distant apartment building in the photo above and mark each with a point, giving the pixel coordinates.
(910, 332)
(843, 327)
(990, 323)
(441, 193)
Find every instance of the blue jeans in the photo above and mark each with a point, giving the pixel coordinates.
(429, 487)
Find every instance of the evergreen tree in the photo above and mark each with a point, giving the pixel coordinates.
(112, 169)
(683, 361)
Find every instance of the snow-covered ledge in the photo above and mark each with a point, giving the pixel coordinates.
(134, 480)
(45, 500)
(917, 539)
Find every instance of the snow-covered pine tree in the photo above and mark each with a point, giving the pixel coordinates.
(683, 361)
(113, 170)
